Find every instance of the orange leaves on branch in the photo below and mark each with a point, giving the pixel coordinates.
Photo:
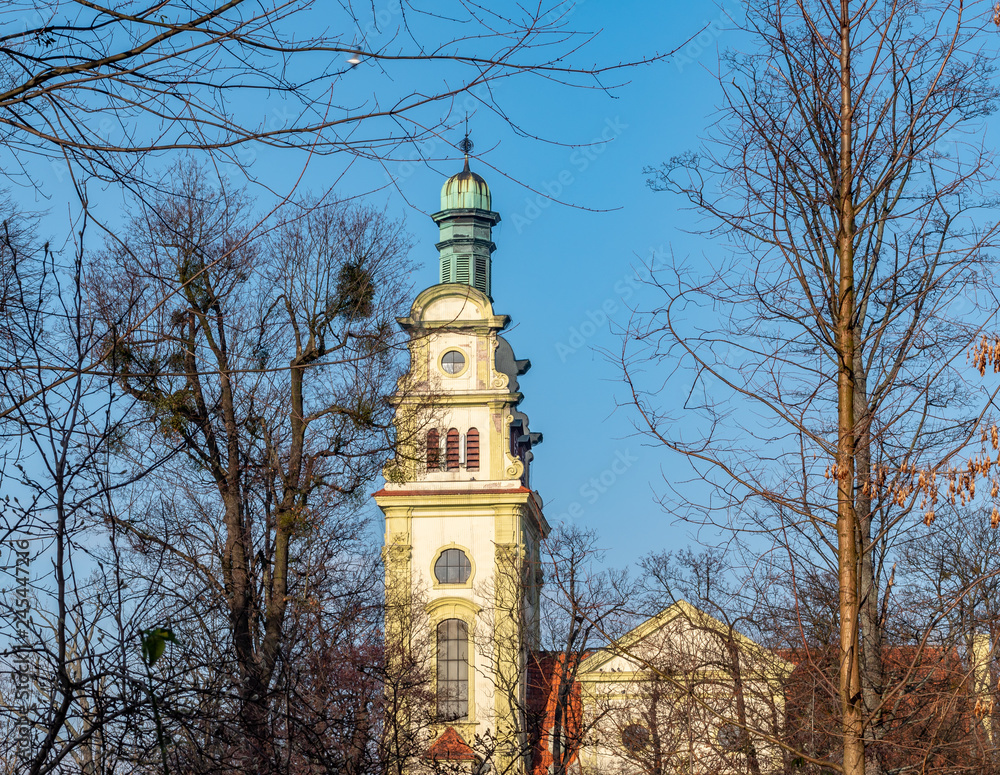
(992, 435)
(899, 486)
(986, 353)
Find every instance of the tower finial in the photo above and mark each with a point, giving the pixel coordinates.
(466, 145)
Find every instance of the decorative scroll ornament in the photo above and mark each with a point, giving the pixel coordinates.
(516, 469)
(500, 380)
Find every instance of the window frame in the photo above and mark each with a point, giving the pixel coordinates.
(455, 607)
(435, 584)
(467, 566)
(432, 460)
(456, 659)
(465, 362)
(472, 462)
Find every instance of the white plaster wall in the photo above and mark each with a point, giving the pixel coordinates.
(462, 417)
(434, 529)
(454, 307)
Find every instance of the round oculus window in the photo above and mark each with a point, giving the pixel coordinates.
(453, 362)
(635, 737)
(731, 737)
(452, 567)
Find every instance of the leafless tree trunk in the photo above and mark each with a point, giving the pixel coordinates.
(854, 228)
(584, 604)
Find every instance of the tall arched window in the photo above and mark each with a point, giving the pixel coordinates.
(451, 451)
(472, 450)
(452, 670)
(433, 446)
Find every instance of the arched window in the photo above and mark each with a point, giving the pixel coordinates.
(433, 455)
(452, 567)
(452, 670)
(472, 450)
(451, 451)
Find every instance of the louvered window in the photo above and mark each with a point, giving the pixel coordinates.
(433, 447)
(472, 450)
(482, 274)
(452, 670)
(451, 451)
(448, 269)
(462, 269)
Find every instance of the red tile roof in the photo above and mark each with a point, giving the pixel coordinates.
(544, 674)
(450, 747)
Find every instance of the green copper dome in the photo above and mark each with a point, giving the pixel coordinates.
(465, 191)
(466, 221)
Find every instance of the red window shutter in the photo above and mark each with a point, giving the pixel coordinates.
(451, 450)
(472, 450)
(433, 446)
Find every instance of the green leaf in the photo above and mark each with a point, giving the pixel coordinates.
(154, 642)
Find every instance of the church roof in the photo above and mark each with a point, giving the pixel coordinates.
(696, 618)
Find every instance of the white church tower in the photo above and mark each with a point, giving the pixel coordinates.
(462, 524)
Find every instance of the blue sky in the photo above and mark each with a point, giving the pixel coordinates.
(564, 271)
(578, 222)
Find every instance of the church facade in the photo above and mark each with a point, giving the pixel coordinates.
(463, 527)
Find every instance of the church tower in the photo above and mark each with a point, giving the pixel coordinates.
(462, 524)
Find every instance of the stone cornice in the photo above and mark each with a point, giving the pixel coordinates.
(393, 499)
(494, 399)
(486, 322)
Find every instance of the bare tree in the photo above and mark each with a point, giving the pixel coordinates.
(584, 606)
(253, 358)
(104, 85)
(260, 366)
(954, 576)
(100, 94)
(829, 378)
(67, 641)
(935, 710)
(728, 686)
